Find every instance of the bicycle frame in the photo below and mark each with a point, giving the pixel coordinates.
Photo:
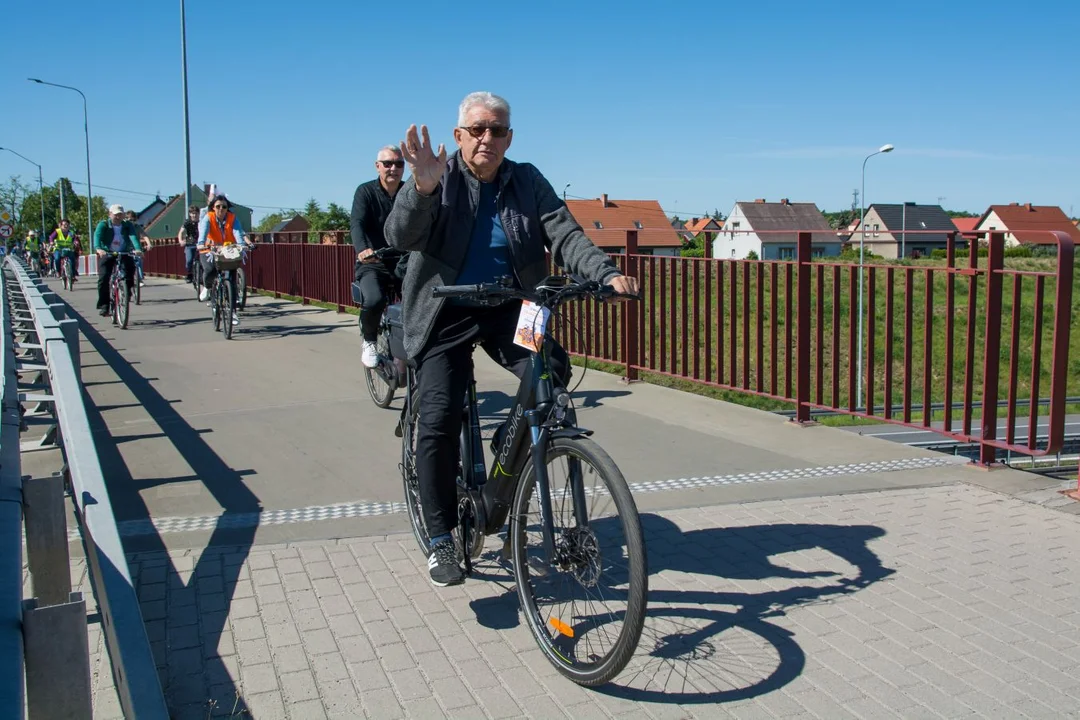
(529, 426)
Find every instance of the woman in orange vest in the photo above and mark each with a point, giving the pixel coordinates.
(218, 228)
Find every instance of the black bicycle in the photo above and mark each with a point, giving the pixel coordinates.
(571, 564)
(222, 298)
(119, 291)
(388, 375)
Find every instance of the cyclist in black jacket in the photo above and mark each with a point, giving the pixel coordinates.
(188, 237)
(371, 205)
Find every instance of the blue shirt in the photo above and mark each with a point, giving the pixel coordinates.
(488, 258)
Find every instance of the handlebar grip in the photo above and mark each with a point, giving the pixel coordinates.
(456, 290)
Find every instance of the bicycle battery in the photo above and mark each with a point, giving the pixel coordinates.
(397, 331)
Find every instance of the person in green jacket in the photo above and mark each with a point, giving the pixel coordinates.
(115, 235)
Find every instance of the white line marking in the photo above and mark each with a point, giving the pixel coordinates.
(162, 525)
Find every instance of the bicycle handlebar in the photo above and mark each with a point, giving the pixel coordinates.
(546, 294)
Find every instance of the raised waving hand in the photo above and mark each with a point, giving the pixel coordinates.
(426, 168)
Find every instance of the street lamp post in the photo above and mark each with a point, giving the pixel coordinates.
(862, 259)
(187, 135)
(41, 188)
(564, 192)
(86, 131)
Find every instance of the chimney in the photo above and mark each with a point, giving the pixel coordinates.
(759, 200)
(206, 188)
(1027, 206)
(603, 200)
(694, 221)
(784, 201)
(1014, 204)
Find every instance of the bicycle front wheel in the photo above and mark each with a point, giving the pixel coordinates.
(229, 308)
(585, 609)
(382, 379)
(123, 303)
(215, 303)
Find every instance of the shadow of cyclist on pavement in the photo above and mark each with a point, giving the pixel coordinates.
(707, 637)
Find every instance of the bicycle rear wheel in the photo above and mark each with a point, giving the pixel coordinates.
(586, 610)
(382, 379)
(241, 288)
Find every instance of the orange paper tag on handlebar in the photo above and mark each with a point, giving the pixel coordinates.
(531, 325)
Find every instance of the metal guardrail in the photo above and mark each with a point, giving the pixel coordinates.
(11, 642)
(134, 669)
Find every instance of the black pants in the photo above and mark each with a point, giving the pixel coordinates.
(210, 273)
(377, 285)
(442, 377)
(105, 270)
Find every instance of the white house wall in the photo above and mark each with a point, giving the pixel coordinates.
(993, 222)
(737, 245)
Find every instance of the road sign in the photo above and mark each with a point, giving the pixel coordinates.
(6, 230)
(5, 217)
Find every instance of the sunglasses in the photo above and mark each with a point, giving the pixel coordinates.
(477, 131)
(221, 207)
(392, 163)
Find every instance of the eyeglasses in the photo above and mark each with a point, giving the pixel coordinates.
(392, 163)
(221, 207)
(477, 131)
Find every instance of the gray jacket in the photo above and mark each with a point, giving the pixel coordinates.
(438, 229)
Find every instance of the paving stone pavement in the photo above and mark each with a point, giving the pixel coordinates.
(946, 602)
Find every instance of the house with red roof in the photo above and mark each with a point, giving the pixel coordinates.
(1027, 224)
(606, 221)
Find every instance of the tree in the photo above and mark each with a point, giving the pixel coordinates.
(960, 214)
(11, 193)
(270, 221)
(334, 217)
(337, 218)
(841, 218)
(717, 215)
(314, 214)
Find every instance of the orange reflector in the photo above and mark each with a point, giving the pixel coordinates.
(561, 627)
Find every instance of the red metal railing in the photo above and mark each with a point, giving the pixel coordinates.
(787, 330)
(320, 273)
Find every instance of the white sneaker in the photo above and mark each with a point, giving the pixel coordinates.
(204, 294)
(369, 356)
(235, 319)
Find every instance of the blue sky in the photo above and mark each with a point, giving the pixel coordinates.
(695, 104)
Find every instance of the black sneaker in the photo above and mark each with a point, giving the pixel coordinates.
(443, 565)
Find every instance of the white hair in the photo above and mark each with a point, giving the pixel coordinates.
(391, 148)
(492, 102)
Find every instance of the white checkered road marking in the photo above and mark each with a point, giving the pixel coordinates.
(134, 528)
